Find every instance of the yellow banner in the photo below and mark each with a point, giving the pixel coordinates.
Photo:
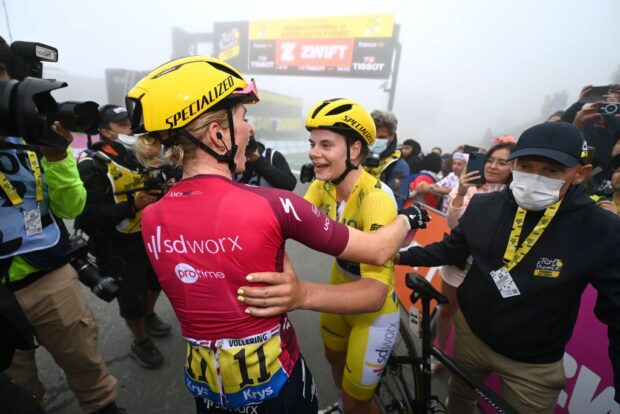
(375, 25)
(277, 98)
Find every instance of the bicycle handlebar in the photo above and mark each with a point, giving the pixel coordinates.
(422, 288)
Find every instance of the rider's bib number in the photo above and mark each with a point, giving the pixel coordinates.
(247, 374)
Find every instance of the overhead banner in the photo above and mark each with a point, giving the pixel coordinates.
(347, 46)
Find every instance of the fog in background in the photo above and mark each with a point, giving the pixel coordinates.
(470, 70)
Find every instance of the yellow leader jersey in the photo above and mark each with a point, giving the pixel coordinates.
(370, 206)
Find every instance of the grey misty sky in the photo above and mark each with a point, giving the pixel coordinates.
(466, 66)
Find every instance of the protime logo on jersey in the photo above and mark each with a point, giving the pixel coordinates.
(189, 274)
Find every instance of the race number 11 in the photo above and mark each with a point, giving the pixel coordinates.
(243, 368)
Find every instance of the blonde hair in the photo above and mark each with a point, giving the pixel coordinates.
(177, 149)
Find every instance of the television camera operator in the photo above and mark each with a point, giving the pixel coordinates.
(40, 187)
(118, 190)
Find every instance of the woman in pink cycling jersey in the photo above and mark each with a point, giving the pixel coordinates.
(208, 232)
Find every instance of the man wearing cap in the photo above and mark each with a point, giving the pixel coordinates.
(535, 246)
(113, 181)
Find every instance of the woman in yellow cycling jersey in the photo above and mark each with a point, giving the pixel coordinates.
(356, 344)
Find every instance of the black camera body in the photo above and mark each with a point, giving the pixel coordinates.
(155, 179)
(609, 108)
(27, 59)
(27, 108)
(251, 147)
(105, 287)
(372, 160)
(306, 173)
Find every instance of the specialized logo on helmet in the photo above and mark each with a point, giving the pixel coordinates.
(198, 105)
(358, 127)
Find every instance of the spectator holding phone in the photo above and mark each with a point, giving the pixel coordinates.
(449, 182)
(599, 124)
(497, 173)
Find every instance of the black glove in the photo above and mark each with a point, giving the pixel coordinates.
(416, 215)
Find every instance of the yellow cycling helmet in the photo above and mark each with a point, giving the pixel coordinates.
(177, 92)
(343, 116)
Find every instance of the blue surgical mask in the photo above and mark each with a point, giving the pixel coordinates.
(379, 146)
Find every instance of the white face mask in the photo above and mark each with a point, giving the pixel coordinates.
(535, 192)
(379, 146)
(128, 141)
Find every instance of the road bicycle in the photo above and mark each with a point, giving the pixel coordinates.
(405, 386)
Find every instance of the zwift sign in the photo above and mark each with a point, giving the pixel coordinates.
(347, 46)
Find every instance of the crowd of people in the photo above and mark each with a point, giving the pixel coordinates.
(513, 264)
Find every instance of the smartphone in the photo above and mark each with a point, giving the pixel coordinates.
(476, 162)
(468, 149)
(596, 94)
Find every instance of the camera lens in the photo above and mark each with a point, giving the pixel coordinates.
(610, 109)
(104, 287)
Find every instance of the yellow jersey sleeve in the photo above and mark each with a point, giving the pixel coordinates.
(314, 194)
(376, 211)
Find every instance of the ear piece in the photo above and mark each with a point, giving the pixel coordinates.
(219, 136)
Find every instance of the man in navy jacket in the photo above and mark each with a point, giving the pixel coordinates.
(534, 248)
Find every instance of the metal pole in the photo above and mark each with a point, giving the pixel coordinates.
(397, 52)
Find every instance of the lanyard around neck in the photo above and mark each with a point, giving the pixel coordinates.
(514, 255)
(11, 192)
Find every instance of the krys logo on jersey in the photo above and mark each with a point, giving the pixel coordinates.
(180, 245)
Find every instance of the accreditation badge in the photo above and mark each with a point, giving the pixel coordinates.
(504, 282)
(32, 221)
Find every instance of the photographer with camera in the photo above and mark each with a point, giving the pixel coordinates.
(265, 167)
(37, 193)
(117, 193)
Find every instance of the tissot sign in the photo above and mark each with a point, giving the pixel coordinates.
(348, 46)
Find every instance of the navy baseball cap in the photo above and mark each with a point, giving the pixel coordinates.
(560, 141)
(111, 113)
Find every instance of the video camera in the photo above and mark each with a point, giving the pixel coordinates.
(27, 108)
(306, 174)
(372, 160)
(105, 287)
(155, 179)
